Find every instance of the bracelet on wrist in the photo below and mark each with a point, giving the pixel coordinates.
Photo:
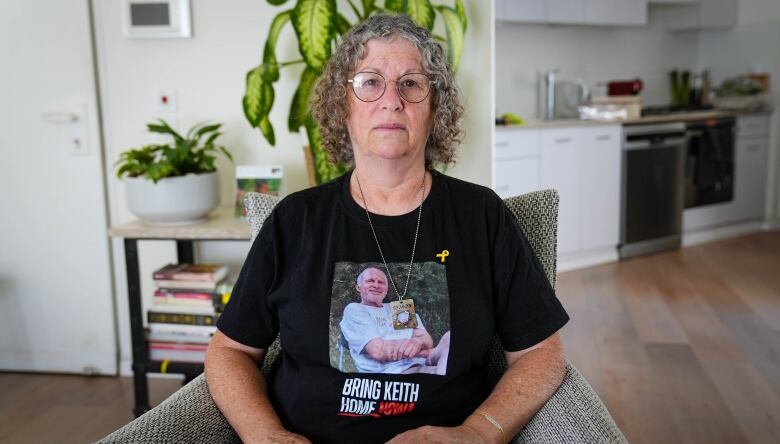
(493, 422)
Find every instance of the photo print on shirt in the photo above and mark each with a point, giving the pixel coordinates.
(362, 338)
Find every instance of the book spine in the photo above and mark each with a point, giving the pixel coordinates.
(181, 318)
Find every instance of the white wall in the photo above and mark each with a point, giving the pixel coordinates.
(593, 53)
(208, 71)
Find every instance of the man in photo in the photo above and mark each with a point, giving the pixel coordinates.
(375, 346)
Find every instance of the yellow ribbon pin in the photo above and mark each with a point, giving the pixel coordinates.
(443, 254)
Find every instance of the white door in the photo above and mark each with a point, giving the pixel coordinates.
(56, 311)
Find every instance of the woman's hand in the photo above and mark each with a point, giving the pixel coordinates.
(283, 436)
(428, 434)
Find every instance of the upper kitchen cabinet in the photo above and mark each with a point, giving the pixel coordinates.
(566, 11)
(526, 11)
(703, 14)
(578, 12)
(616, 12)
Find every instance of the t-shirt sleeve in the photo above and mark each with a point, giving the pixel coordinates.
(247, 317)
(527, 310)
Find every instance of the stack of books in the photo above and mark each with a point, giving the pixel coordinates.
(187, 301)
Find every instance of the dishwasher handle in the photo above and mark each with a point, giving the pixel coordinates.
(647, 144)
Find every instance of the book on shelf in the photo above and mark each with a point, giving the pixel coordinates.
(182, 315)
(199, 298)
(175, 351)
(193, 286)
(156, 336)
(182, 330)
(211, 273)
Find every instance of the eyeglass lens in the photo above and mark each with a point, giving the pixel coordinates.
(370, 86)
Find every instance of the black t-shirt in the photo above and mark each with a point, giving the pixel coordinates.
(474, 275)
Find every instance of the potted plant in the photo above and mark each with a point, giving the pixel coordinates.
(318, 26)
(175, 183)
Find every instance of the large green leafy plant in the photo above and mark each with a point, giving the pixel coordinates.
(186, 155)
(318, 26)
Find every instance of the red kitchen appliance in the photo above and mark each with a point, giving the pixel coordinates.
(624, 87)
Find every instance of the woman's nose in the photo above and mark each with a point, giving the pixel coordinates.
(391, 99)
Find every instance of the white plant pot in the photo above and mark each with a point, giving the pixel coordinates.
(180, 200)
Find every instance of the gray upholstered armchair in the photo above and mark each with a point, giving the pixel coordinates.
(574, 414)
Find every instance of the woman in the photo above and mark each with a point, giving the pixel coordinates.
(387, 105)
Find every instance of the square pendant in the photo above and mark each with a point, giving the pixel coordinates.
(403, 314)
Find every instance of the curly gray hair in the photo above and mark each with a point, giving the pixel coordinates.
(330, 107)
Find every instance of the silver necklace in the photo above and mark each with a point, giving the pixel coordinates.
(414, 244)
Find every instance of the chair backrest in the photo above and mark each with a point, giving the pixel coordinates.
(535, 212)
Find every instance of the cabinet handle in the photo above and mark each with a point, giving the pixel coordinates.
(563, 140)
(604, 137)
(502, 143)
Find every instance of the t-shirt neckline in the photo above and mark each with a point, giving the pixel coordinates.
(357, 211)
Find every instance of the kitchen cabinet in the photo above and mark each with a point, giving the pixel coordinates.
(580, 12)
(515, 161)
(705, 14)
(527, 11)
(566, 11)
(616, 12)
(582, 163)
(560, 156)
(751, 156)
(600, 186)
(750, 177)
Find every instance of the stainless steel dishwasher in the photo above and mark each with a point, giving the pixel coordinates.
(652, 197)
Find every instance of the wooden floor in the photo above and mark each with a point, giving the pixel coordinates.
(682, 347)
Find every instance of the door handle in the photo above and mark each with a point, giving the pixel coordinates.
(57, 118)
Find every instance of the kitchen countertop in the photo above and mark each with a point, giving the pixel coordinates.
(676, 117)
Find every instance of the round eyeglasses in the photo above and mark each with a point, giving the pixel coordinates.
(370, 86)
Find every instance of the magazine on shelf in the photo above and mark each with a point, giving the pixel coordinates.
(182, 315)
(175, 351)
(212, 273)
(186, 298)
(182, 330)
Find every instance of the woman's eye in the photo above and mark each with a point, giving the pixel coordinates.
(409, 83)
(371, 83)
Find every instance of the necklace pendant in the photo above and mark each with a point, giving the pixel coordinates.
(403, 314)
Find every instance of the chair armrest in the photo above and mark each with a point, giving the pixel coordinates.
(574, 414)
(189, 415)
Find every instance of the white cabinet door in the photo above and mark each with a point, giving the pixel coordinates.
(560, 168)
(516, 176)
(750, 177)
(566, 11)
(718, 13)
(515, 161)
(525, 11)
(616, 12)
(709, 14)
(600, 195)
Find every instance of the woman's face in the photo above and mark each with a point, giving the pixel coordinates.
(389, 128)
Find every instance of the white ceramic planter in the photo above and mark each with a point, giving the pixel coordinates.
(174, 200)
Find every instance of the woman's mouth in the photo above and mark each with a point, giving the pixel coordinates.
(390, 126)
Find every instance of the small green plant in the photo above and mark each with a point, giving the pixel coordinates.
(318, 26)
(187, 155)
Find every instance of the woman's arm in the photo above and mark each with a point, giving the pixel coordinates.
(238, 388)
(531, 379)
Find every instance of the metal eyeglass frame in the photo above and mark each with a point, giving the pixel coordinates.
(384, 89)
